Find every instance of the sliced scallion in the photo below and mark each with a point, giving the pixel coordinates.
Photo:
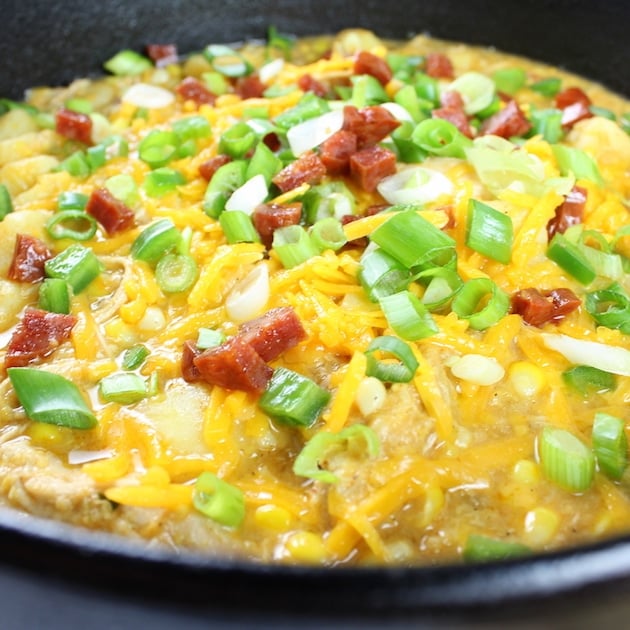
(578, 162)
(484, 549)
(589, 380)
(293, 399)
(209, 338)
(227, 61)
(124, 388)
(237, 140)
(408, 316)
(610, 444)
(219, 500)
(162, 181)
(293, 245)
(127, 62)
(566, 460)
(547, 87)
(175, 273)
(70, 200)
(134, 357)
(610, 307)
(6, 203)
(192, 128)
(381, 274)
(481, 302)
(402, 370)
(489, 231)
(50, 398)
(73, 224)
(54, 296)
(328, 234)
(357, 438)
(224, 182)
(238, 227)
(570, 257)
(156, 240)
(440, 137)
(509, 80)
(77, 265)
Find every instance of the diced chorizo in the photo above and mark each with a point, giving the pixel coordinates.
(272, 141)
(438, 66)
(249, 87)
(29, 256)
(307, 169)
(190, 373)
(456, 117)
(37, 336)
(575, 105)
(112, 213)
(370, 124)
(368, 63)
(208, 168)
(335, 152)
(452, 98)
(507, 122)
(268, 217)
(307, 83)
(370, 165)
(191, 89)
(273, 333)
(74, 125)
(538, 308)
(569, 212)
(162, 54)
(234, 365)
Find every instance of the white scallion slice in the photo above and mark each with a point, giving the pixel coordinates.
(415, 185)
(311, 133)
(270, 70)
(598, 355)
(476, 89)
(251, 194)
(250, 296)
(149, 96)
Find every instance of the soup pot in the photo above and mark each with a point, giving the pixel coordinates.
(53, 575)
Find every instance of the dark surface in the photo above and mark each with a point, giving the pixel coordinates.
(57, 577)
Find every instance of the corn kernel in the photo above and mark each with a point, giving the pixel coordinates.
(526, 378)
(120, 331)
(526, 472)
(273, 517)
(370, 395)
(51, 437)
(153, 320)
(132, 312)
(306, 547)
(541, 525)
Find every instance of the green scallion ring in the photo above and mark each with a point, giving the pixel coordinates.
(610, 445)
(408, 316)
(472, 294)
(401, 371)
(60, 225)
(175, 273)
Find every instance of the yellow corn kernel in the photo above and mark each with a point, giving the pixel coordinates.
(541, 525)
(306, 547)
(273, 517)
(526, 378)
(99, 369)
(120, 331)
(153, 320)
(526, 472)
(370, 395)
(51, 437)
(132, 312)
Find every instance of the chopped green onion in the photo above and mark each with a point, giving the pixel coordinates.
(547, 87)
(219, 500)
(624, 122)
(332, 199)
(443, 286)
(293, 245)
(6, 203)
(124, 388)
(509, 80)
(50, 398)
(400, 371)
(134, 357)
(123, 187)
(77, 265)
(74, 224)
(486, 112)
(238, 227)
(603, 112)
(77, 165)
(158, 148)
(209, 338)
(610, 307)
(440, 137)
(283, 43)
(155, 240)
(116, 146)
(263, 162)
(328, 234)
(577, 162)
(366, 90)
(227, 61)
(406, 149)
(571, 258)
(162, 181)
(408, 316)
(587, 380)
(610, 445)
(407, 97)
(72, 201)
(414, 241)
(309, 106)
(224, 182)
(293, 399)
(192, 128)
(80, 105)
(381, 274)
(54, 296)
(127, 63)
(356, 439)
(403, 66)
(175, 273)
(427, 88)
(548, 124)
(483, 549)
(476, 89)
(489, 231)
(237, 140)
(566, 460)
(216, 83)
(477, 292)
